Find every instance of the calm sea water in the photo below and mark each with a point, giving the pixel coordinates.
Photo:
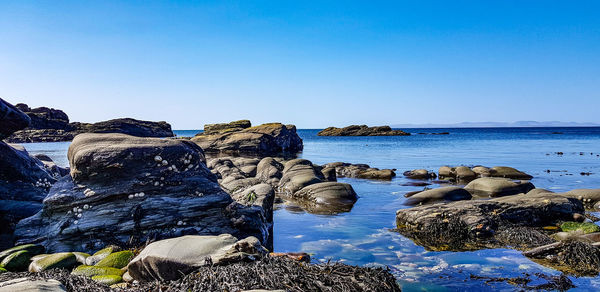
(363, 236)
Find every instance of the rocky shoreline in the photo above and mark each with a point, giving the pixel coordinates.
(52, 125)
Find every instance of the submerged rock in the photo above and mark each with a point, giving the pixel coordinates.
(126, 190)
(362, 130)
(474, 224)
(263, 140)
(170, 259)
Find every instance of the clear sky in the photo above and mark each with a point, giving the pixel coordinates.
(311, 63)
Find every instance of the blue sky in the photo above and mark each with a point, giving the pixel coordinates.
(311, 63)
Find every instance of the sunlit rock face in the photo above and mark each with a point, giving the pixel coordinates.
(125, 190)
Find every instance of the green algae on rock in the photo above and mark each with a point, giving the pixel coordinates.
(107, 279)
(91, 271)
(54, 261)
(116, 260)
(586, 227)
(17, 261)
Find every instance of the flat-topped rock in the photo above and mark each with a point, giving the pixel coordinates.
(474, 224)
(497, 186)
(125, 190)
(234, 126)
(263, 140)
(362, 130)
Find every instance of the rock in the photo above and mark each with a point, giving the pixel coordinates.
(440, 194)
(127, 277)
(63, 260)
(269, 170)
(81, 257)
(578, 217)
(126, 190)
(362, 130)
(446, 171)
(227, 127)
(17, 261)
(496, 187)
(586, 227)
(464, 173)
(474, 224)
(32, 249)
(52, 125)
(261, 195)
(297, 174)
(482, 171)
(12, 119)
(263, 140)
(588, 196)
(326, 197)
(509, 172)
(107, 279)
(363, 171)
(27, 285)
(24, 183)
(297, 256)
(90, 271)
(419, 174)
(116, 260)
(100, 255)
(171, 258)
(329, 173)
(539, 191)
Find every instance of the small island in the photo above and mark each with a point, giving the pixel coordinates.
(362, 130)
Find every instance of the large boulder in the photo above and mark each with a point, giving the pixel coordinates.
(12, 119)
(439, 194)
(264, 140)
(170, 259)
(496, 187)
(52, 125)
(326, 197)
(299, 173)
(362, 130)
(126, 190)
(474, 224)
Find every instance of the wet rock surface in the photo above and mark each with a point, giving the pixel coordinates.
(363, 171)
(237, 138)
(475, 224)
(466, 174)
(52, 125)
(124, 190)
(362, 130)
(497, 187)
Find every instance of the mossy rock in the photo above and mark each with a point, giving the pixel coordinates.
(91, 271)
(100, 255)
(586, 227)
(3, 270)
(116, 260)
(17, 261)
(63, 260)
(33, 249)
(107, 279)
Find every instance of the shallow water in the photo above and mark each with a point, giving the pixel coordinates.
(363, 236)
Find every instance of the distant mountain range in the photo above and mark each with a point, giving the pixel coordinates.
(498, 125)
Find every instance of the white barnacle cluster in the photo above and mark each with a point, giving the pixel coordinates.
(181, 223)
(197, 193)
(136, 195)
(43, 183)
(88, 193)
(77, 212)
(187, 162)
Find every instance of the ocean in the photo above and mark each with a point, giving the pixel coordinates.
(365, 235)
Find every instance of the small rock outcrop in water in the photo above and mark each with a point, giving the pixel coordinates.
(24, 179)
(52, 125)
(475, 224)
(124, 189)
(362, 130)
(363, 171)
(239, 138)
(464, 173)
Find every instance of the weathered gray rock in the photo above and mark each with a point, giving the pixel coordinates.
(474, 224)
(439, 194)
(28, 285)
(261, 195)
(12, 119)
(326, 197)
(496, 187)
(299, 173)
(464, 173)
(264, 140)
(226, 127)
(588, 196)
(126, 190)
(269, 170)
(171, 258)
(362, 130)
(509, 172)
